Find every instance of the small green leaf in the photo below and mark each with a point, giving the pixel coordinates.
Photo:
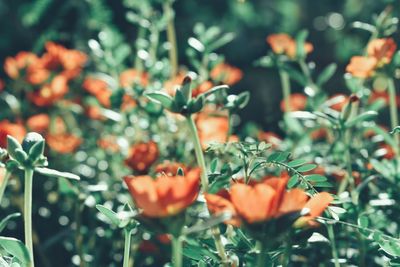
(391, 247)
(300, 41)
(316, 178)
(306, 168)
(326, 74)
(293, 181)
(366, 116)
(111, 215)
(15, 248)
(36, 151)
(57, 174)
(20, 156)
(296, 163)
(396, 130)
(12, 145)
(164, 99)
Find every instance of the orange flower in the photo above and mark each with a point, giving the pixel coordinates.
(282, 43)
(49, 93)
(297, 102)
(38, 123)
(166, 195)
(170, 168)
(13, 65)
(94, 112)
(130, 76)
(63, 143)
(99, 89)
(226, 74)
(212, 128)
(221, 202)
(267, 200)
(390, 154)
(362, 67)
(71, 61)
(16, 130)
(142, 156)
(109, 143)
(382, 50)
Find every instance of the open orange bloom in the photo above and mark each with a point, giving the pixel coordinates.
(16, 130)
(282, 43)
(63, 143)
(226, 74)
(362, 67)
(13, 65)
(142, 156)
(130, 76)
(49, 93)
(297, 102)
(382, 50)
(38, 123)
(166, 195)
(266, 200)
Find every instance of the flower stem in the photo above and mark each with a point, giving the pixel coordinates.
(262, 257)
(394, 119)
(176, 251)
(199, 153)
(127, 247)
(331, 235)
(204, 182)
(4, 184)
(28, 212)
(171, 37)
(285, 89)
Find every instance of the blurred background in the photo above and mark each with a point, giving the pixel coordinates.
(28, 24)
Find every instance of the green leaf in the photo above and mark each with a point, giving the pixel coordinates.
(15, 248)
(366, 116)
(4, 222)
(36, 151)
(306, 168)
(12, 145)
(316, 178)
(57, 174)
(111, 215)
(225, 39)
(20, 156)
(391, 247)
(164, 99)
(293, 181)
(326, 74)
(296, 163)
(196, 105)
(300, 41)
(242, 100)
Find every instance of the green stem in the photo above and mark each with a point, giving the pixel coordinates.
(394, 119)
(4, 183)
(204, 182)
(306, 72)
(138, 61)
(171, 37)
(199, 153)
(177, 251)
(285, 89)
(28, 212)
(262, 257)
(127, 247)
(288, 251)
(331, 236)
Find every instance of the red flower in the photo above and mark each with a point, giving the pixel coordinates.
(142, 156)
(63, 143)
(49, 93)
(297, 102)
(38, 123)
(130, 76)
(282, 43)
(166, 195)
(16, 130)
(226, 74)
(267, 200)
